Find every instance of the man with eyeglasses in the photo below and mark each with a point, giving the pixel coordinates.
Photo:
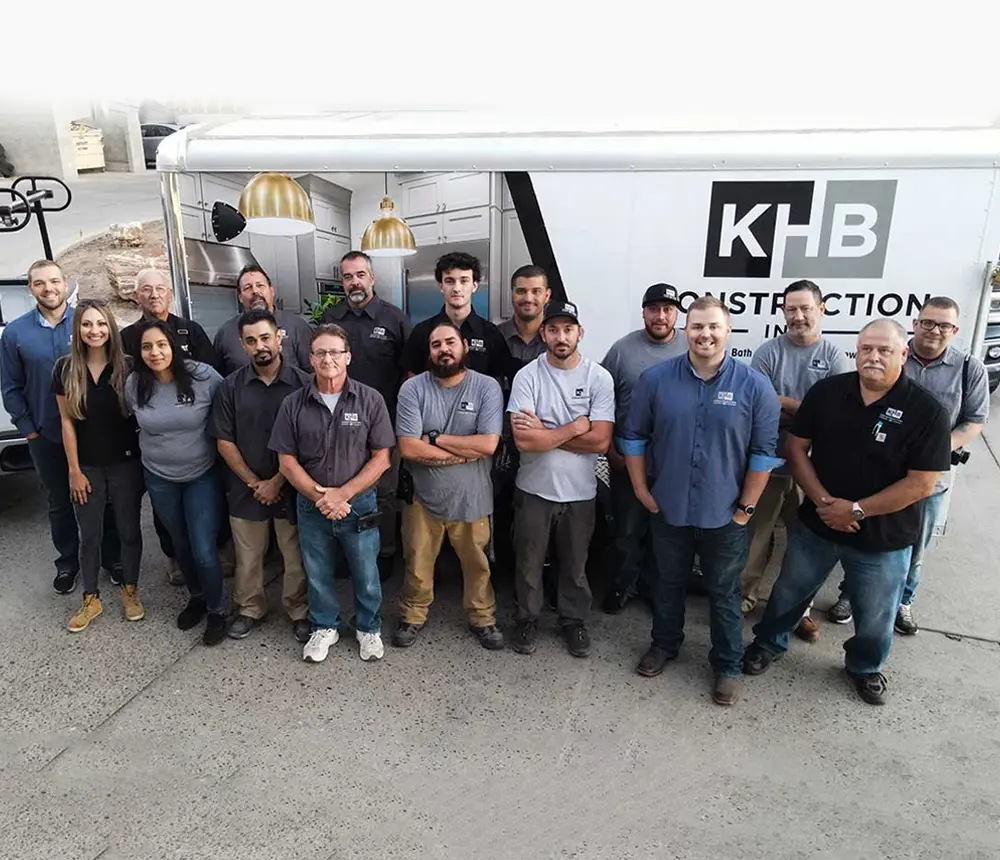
(333, 440)
(960, 383)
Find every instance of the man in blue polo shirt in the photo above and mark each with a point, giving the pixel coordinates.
(710, 424)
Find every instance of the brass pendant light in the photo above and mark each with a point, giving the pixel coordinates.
(388, 235)
(274, 204)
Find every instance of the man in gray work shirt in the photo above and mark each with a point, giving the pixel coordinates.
(448, 426)
(793, 362)
(627, 358)
(256, 291)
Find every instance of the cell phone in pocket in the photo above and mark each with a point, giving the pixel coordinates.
(369, 521)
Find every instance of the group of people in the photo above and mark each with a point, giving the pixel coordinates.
(310, 438)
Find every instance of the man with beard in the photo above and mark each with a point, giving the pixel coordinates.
(29, 348)
(705, 426)
(793, 362)
(529, 293)
(448, 426)
(257, 293)
(626, 360)
(562, 411)
(866, 448)
(243, 413)
(378, 331)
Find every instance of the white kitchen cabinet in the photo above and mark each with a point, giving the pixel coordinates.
(427, 230)
(324, 256)
(466, 225)
(214, 189)
(465, 190)
(421, 196)
(323, 215)
(192, 222)
(340, 222)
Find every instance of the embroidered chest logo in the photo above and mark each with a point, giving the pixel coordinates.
(893, 416)
(185, 348)
(580, 392)
(477, 344)
(350, 419)
(724, 398)
(819, 364)
(466, 406)
(185, 399)
(378, 333)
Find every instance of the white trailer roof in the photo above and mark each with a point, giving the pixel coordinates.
(457, 140)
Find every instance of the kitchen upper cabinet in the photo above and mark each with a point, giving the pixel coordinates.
(444, 192)
(426, 231)
(421, 196)
(193, 222)
(466, 224)
(340, 223)
(323, 214)
(214, 189)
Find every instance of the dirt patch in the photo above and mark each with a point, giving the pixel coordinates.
(85, 264)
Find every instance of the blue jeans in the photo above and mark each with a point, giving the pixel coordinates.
(191, 512)
(873, 582)
(632, 548)
(318, 538)
(929, 518)
(723, 555)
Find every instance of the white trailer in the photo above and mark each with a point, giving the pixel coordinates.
(880, 219)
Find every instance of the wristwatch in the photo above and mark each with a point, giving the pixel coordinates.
(747, 509)
(432, 437)
(857, 511)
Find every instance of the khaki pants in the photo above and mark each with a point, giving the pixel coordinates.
(250, 541)
(781, 499)
(423, 535)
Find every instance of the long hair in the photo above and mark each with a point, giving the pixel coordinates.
(74, 370)
(182, 369)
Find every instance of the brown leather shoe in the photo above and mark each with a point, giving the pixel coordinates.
(807, 630)
(727, 690)
(653, 662)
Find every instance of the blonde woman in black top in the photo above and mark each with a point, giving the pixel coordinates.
(102, 449)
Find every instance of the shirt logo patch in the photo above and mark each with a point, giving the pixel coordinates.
(819, 364)
(580, 392)
(478, 344)
(378, 333)
(467, 406)
(724, 398)
(282, 332)
(351, 418)
(185, 347)
(894, 416)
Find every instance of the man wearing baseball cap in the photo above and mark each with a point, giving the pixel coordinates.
(627, 358)
(562, 411)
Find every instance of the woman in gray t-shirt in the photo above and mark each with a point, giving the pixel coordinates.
(171, 399)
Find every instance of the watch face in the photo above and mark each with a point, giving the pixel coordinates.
(749, 509)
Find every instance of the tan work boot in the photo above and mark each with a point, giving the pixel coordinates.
(130, 600)
(90, 609)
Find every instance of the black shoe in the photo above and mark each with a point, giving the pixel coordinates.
(489, 637)
(191, 614)
(406, 634)
(615, 601)
(303, 630)
(653, 662)
(577, 639)
(65, 581)
(905, 623)
(525, 634)
(215, 629)
(241, 627)
(871, 687)
(386, 567)
(116, 574)
(757, 660)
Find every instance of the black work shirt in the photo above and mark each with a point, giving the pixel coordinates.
(243, 413)
(858, 451)
(333, 448)
(105, 436)
(377, 334)
(296, 339)
(191, 338)
(488, 350)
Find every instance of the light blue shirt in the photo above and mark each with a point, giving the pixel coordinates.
(700, 437)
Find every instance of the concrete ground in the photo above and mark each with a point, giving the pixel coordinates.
(99, 200)
(135, 741)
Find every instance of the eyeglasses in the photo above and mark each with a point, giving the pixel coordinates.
(930, 325)
(322, 353)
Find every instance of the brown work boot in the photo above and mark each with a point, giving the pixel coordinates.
(727, 690)
(130, 600)
(807, 630)
(90, 609)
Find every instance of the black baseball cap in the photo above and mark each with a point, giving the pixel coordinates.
(561, 309)
(661, 293)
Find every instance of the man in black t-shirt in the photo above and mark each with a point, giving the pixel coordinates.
(879, 443)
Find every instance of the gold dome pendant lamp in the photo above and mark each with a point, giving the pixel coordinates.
(388, 235)
(274, 204)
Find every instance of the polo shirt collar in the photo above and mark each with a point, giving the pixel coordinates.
(855, 389)
(285, 374)
(950, 356)
(44, 323)
(342, 309)
(726, 360)
(474, 321)
(350, 389)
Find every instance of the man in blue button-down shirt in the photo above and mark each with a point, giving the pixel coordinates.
(710, 425)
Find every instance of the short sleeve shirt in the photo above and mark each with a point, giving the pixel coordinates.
(558, 397)
(333, 447)
(858, 451)
(520, 351)
(462, 492)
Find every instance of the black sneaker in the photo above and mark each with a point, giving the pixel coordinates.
(406, 634)
(872, 687)
(757, 660)
(577, 639)
(489, 637)
(65, 581)
(116, 574)
(614, 601)
(241, 627)
(840, 612)
(525, 634)
(215, 629)
(303, 630)
(191, 614)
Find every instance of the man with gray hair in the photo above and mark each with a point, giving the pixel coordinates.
(866, 448)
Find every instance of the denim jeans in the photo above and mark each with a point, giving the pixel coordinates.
(49, 459)
(929, 518)
(632, 541)
(191, 511)
(723, 554)
(873, 582)
(318, 538)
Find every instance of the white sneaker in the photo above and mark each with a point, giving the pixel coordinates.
(371, 645)
(319, 644)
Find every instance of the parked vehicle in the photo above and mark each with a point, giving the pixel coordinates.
(153, 134)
